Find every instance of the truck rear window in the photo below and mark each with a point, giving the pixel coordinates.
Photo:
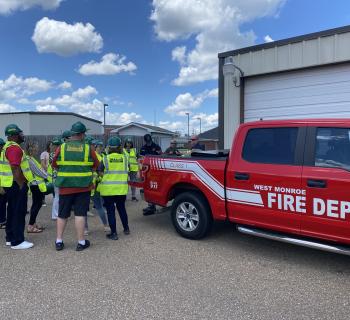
(270, 145)
(333, 148)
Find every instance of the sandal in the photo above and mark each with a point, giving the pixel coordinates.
(34, 230)
(39, 227)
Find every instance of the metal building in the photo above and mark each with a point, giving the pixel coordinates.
(47, 123)
(301, 77)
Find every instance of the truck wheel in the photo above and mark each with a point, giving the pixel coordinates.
(191, 216)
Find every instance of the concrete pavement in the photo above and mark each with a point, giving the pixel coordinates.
(155, 274)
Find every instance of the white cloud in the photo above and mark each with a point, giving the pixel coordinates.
(51, 36)
(110, 64)
(215, 24)
(123, 118)
(83, 93)
(173, 126)
(179, 55)
(47, 108)
(186, 102)
(18, 87)
(4, 107)
(9, 6)
(267, 38)
(208, 121)
(65, 85)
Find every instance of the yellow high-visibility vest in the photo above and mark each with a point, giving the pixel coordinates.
(134, 166)
(38, 181)
(6, 176)
(115, 175)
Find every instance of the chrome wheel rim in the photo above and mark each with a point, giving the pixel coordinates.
(187, 216)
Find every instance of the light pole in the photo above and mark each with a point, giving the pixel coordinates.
(200, 124)
(104, 114)
(188, 124)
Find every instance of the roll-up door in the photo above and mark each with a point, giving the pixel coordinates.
(311, 93)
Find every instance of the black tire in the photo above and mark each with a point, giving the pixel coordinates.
(193, 229)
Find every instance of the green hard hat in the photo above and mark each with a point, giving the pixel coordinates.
(114, 142)
(66, 134)
(89, 139)
(78, 127)
(12, 130)
(56, 141)
(97, 143)
(2, 142)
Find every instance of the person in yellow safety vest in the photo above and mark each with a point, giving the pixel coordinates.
(133, 164)
(3, 199)
(14, 174)
(113, 187)
(75, 162)
(38, 187)
(56, 142)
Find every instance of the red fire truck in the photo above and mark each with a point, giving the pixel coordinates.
(283, 180)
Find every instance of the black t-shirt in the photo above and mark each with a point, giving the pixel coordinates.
(198, 146)
(152, 149)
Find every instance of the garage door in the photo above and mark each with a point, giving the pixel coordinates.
(316, 93)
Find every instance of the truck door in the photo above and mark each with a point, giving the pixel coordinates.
(264, 177)
(326, 177)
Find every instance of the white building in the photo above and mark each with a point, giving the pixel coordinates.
(301, 77)
(47, 123)
(134, 129)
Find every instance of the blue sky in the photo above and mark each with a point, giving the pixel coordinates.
(149, 60)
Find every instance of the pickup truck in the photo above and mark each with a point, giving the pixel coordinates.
(287, 180)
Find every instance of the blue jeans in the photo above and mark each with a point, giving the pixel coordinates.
(97, 200)
(98, 203)
(16, 213)
(116, 201)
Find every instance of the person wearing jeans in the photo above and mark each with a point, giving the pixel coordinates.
(32, 149)
(114, 169)
(15, 173)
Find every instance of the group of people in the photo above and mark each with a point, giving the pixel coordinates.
(76, 169)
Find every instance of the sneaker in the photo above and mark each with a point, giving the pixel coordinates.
(112, 236)
(86, 232)
(8, 243)
(127, 232)
(134, 199)
(22, 246)
(81, 247)
(90, 214)
(59, 246)
(107, 229)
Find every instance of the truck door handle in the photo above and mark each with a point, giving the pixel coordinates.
(316, 183)
(241, 176)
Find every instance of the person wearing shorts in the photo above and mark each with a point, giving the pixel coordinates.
(75, 162)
